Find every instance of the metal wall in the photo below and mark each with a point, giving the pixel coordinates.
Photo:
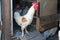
(48, 7)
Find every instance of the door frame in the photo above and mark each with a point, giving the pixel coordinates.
(6, 21)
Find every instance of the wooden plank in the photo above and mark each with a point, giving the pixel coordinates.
(0, 25)
(48, 22)
(38, 24)
(0, 14)
(6, 20)
(49, 26)
(0, 30)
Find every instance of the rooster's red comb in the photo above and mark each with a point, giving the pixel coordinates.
(34, 2)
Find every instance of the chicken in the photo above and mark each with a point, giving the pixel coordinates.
(26, 20)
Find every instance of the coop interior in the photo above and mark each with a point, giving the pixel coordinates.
(24, 7)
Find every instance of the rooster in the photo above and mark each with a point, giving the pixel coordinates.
(26, 20)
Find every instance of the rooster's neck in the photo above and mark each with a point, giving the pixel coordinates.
(31, 11)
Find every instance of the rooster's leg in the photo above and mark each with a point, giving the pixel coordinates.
(26, 31)
(22, 31)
